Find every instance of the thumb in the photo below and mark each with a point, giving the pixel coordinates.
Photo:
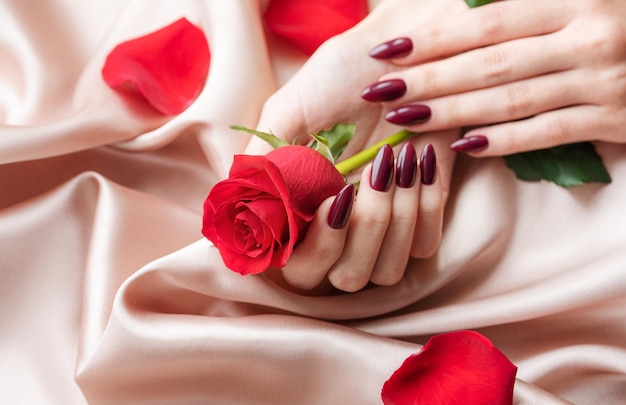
(281, 116)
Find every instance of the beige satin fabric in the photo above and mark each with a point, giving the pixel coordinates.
(109, 294)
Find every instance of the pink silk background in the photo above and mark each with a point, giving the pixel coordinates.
(109, 294)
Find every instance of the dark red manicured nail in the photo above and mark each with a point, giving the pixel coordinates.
(385, 90)
(409, 114)
(382, 169)
(341, 207)
(406, 166)
(470, 144)
(391, 49)
(428, 164)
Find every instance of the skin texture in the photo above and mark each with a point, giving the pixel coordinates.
(533, 77)
(385, 228)
(546, 73)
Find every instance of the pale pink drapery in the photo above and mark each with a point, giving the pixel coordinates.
(110, 295)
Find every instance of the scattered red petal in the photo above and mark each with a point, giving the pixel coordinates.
(457, 368)
(309, 23)
(168, 67)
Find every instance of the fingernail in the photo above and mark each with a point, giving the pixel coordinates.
(385, 90)
(409, 114)
(382, 169)
(406, 166)
(391, 49)
(470, 144)
(428, 163)
(341, 207)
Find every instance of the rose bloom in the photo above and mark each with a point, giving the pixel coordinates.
(257, 215)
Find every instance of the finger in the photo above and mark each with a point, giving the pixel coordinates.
(323, 243)
(429, 226)
(491, 24)
(368, 225)
(563, 126)
(508, 102)
(485, 67)
(394, 253)
(280, 117)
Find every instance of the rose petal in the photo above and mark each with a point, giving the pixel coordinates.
(453, 368)
(309, 176)
(309, 23)
(282, 190)
(168, 67)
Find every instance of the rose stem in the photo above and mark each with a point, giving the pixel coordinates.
(365, 156)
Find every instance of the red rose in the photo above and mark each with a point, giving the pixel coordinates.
(453, 368)
(257, 215)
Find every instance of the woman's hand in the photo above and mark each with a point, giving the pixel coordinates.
(384, 227)
(397, 213)
(545, 73)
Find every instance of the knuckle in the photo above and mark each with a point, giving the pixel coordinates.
(491, 21)
(496, 63)
(453, 114)
(430, 82)
(389, 277)
(300, 283)
(431, 208)
(435, 40)
(557, 131)
(613, 82)
(326, 250)
(425, 250)
(405, 215)
(376, 221)
(518, 100)
(607, 41)
(350, 282)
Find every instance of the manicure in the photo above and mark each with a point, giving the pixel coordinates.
(385, 90)
(341, 207)
(382, 169)
(428, 163)
(409, 114)
(391, 49)
(470, 144)
(406, 166)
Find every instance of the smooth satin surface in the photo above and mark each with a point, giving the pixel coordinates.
(110, 295)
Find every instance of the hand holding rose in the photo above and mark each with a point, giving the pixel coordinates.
(385, 226)
(389, 222)
(262, 210)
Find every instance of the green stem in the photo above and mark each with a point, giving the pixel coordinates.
(346, 166)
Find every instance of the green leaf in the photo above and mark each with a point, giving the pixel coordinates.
(321, 145)
(273, 140)
(566, 165)
(337, 138)
(477, 3)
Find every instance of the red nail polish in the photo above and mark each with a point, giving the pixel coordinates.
(382, 169)
(385, 90)
(392, 49)
(409, 114)
(470, 144)
(406, 166)
(428, 164)
(341, 207)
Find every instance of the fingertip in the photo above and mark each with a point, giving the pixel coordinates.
(394, 48)
(473, 145)
(428, 165)
(341, 207)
